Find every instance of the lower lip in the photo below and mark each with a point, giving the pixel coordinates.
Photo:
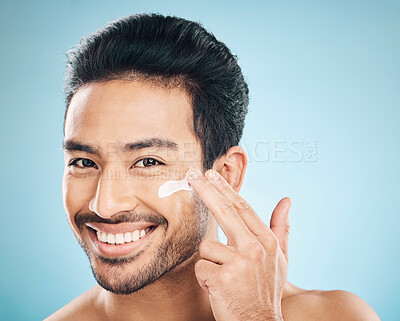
(118, 250)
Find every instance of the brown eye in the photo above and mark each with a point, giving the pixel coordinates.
(83, 163)
(147, 162)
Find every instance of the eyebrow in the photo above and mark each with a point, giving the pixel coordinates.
(153, 142)
(71, 145)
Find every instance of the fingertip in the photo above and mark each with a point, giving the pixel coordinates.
(287, 201)
(193, 174)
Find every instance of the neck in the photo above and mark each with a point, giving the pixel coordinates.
(176, 296)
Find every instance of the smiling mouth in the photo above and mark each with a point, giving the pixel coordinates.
(122, 238)
(121, 244)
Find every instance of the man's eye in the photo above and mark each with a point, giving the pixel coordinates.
(147, 162)
(83, 163)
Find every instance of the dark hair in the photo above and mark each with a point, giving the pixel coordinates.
(174, 52)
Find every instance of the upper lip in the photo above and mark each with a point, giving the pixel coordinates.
(119, 228)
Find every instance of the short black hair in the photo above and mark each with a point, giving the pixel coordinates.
(175, 52)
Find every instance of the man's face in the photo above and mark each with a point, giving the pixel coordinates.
(122, 141)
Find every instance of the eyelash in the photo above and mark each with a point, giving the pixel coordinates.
(74, 161)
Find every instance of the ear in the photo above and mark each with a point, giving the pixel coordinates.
(232, 166)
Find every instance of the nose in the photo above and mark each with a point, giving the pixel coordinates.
(113, 195)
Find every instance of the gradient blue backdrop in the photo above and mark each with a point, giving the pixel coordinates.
(324, 79)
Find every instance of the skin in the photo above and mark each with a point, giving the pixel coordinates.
(246, 279)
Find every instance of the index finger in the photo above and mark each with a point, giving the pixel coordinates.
(255, 224)
(224, 212)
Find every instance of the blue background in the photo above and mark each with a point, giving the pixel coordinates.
(325, 73)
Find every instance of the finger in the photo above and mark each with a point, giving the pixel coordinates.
(206, 273)
(216, 252)
(255, 224)
(280, 225)
(224, 212)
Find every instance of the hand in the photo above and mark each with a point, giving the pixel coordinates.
(246, 277)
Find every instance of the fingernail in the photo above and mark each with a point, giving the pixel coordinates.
(194, 173)
(213, 176)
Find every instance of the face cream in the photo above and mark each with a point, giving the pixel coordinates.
(170, 187)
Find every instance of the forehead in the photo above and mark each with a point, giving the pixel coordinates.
(121, 111)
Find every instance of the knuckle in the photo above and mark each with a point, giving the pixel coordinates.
(206, 246)
(242, 204)
(198, 266)
(256, 250)
(203, 247)
(227, 276)
(228, 208)
(241, 263)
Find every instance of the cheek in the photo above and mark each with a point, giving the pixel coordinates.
(78, 192)
(76, 195)
(175, 208)
(182, 206)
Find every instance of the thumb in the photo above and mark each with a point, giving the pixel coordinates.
(280, 225)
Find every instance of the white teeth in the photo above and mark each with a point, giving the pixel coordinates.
(121, 238)
(135, 235)
(128, 237)
(111, 238)
(103, 237)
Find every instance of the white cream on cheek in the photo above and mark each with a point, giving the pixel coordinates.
(170, 187)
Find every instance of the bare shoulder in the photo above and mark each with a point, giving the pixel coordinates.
(326, 305)
(82, 308)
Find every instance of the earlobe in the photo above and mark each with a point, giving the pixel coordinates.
(232, 166)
